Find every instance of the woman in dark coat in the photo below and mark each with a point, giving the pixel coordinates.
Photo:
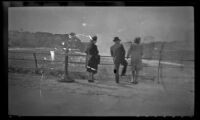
(92, 59)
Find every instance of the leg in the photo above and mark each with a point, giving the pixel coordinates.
(90, 76)
(133, 73)
(116, 70)
(117, 77)
(136, 76)
(138, 68)
(133, 76)
(124, 63)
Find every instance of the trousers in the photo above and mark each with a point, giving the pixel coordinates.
(117, 64)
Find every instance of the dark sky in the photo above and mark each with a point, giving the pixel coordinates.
(163, 23)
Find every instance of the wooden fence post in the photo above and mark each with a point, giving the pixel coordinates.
(67, 78)
(36, 65)
(159, 64)
(66, 64)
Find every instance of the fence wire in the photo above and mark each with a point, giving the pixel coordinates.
(76, 59)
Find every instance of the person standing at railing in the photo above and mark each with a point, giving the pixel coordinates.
(118, 53)
(92, 58)
(136, 53)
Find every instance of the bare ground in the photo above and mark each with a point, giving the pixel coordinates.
(173, 97)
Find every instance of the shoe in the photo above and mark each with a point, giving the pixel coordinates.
(134, 82)
(91, 81)
(117, 81)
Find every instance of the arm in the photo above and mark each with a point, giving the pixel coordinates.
(111, 52)
(97, 55)
(142, 50)
(87, 49)
(123, 51)
(95, 50)
(129, 51)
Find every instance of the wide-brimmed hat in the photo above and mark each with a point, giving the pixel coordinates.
(116, 39)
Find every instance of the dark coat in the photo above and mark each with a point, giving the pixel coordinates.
(118, 52)
(92, 58)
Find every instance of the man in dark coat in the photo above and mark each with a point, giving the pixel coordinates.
(118, 53)
(92, 58)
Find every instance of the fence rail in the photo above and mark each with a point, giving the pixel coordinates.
(37, 60)
(47, 53)
(60, 61)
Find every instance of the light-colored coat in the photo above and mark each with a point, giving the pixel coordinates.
(135, 52)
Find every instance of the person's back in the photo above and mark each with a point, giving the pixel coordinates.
(117, 51)
(136, 52)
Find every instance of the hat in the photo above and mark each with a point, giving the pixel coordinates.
(94, 38)
(137, 40)
(116, 39)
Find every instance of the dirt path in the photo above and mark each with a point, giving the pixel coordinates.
(102, 98)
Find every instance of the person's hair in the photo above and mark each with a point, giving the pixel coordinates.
(94, 38)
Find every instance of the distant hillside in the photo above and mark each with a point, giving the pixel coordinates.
(172, 50)
(42, 39)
